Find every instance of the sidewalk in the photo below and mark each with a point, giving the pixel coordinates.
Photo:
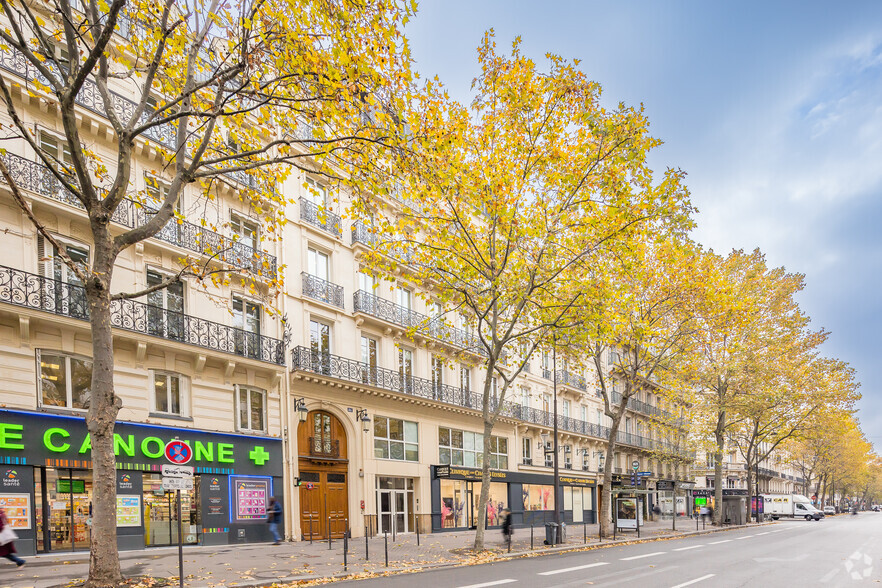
(263, 564)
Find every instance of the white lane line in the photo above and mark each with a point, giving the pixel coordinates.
(641, 556)
(695, 581)
(688, 548)
(718, 542)
(565, 570)
(745, 537)
(495, 583)
(766, 533)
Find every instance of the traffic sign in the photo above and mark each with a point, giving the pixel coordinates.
(644, 473)
(177, 483)
(635, 464)
(177, 471)
(178, 452)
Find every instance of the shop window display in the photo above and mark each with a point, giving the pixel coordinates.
(453, 503)
(538, 497)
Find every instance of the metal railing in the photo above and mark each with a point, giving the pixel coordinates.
(572, 380)
(326, 364)
(371, 304)
(36, 177)
(54, 296)
(320, 217)
(361, 233)
(325, 447)
(90, 98)
(640, 406)
(323, 290)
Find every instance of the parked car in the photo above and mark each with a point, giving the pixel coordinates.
(829, 510)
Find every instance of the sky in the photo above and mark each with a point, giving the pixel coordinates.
(773, 109)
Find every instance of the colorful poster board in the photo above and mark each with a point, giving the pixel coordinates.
(128, 511)
(18, 508)
(251, 497)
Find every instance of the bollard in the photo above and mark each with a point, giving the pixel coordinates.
(585, 533)
(310, 530)
(329, 532)
(345, 551)
(418, 531)
(531, 536)
(366, 557)
(386, 545)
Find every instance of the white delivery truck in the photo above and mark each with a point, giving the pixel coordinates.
(795, 506)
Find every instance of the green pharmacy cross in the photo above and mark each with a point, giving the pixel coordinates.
(258, 455)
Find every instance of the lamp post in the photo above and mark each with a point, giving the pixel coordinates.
(361, 416)
(556, 464)
(300, 407)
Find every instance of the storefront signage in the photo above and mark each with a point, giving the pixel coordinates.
(734, 492)
(250, 497)
(474, 475)
(38, 438)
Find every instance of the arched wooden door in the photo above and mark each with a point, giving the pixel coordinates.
(324, 464)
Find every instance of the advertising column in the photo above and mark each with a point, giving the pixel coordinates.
(17, 496)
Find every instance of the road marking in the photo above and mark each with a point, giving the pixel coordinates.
(641, 556)
(766, 533)
(829, 575)
(718, 542)
(688, 548)
(745, 537)
(496, 583)
(695, 581)
(565, 570)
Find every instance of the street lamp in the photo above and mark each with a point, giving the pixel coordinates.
(300, 406)
(600, 461)
(361, 415)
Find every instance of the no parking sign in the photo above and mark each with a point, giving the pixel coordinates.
(178, 452)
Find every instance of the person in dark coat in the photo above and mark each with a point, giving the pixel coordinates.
(507, 528)
(274, 517)
(8, 550)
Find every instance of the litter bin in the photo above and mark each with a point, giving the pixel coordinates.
(550, 533)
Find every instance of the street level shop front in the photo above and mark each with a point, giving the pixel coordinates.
(46, 484)
(456, 491)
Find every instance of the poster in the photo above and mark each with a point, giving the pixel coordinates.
(251, 497)
(128, 511)
(627, 511)
(18, 508)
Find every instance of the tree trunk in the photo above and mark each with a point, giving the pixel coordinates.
(485, 487)
(104, 569)
(605, 516)
(719, 437)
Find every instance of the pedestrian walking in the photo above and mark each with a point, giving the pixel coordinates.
(274, 517)
(7, 541)
(507, 529)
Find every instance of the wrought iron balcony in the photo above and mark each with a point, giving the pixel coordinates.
(320, 217)
(90, 98)
(324, 447)
(547, 374)
(361, 233)
(325, 364)
(373, 305)
(640, 406)
(323, 290)
(53, 296)
(572, 380)
(36, 177)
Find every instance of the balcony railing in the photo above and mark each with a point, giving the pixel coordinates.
(572, 380)
(322, 447)
(323, 290)
(361, 233)
(320, 217)
(375, 306)
(640, 406)
(53, 296)
(36, 177)
(326, 364)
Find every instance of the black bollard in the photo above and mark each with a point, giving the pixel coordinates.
(310, 530)
(531, 536)
(386, 546)
(418, 531)
(329, 532)
(345, 551)
(366, 557)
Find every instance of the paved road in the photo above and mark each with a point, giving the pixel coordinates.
(838, 551)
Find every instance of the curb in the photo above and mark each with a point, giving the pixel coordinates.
(416, 567)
